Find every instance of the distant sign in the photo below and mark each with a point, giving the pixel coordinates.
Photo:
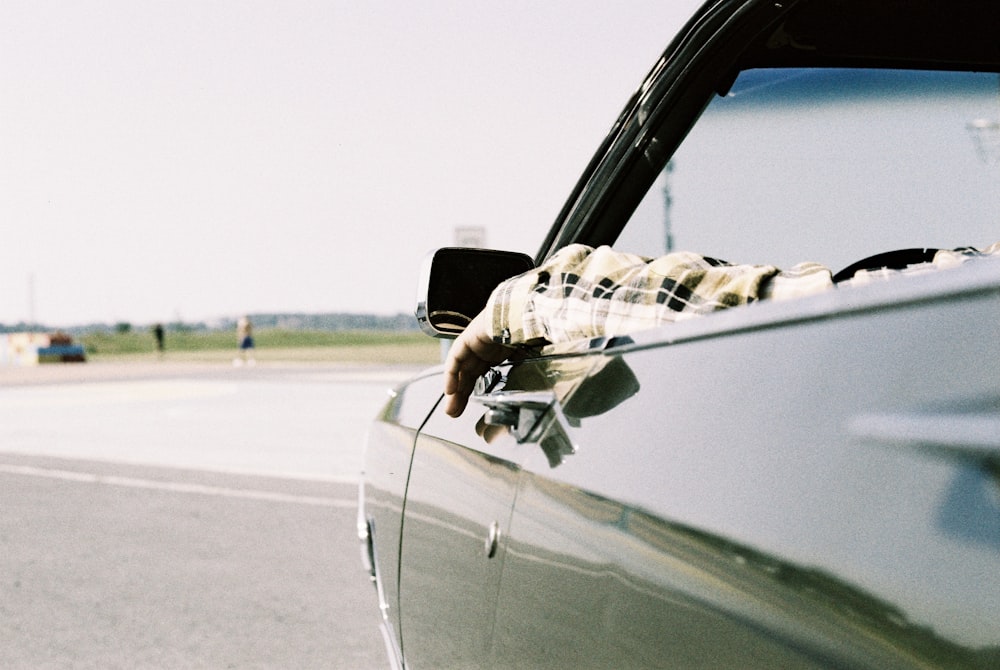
(470, 236)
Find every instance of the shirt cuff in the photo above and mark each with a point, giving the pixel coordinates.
(512, 319)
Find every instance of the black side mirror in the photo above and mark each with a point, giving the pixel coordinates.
(456, 282)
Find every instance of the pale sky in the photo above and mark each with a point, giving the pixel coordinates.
(195, 160)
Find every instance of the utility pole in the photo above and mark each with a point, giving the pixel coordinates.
(986, 136)
(668, 202)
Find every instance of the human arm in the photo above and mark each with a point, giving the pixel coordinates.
(581, 292)
(470, 356)
(501, 329)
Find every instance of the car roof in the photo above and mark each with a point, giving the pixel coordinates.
(950, 34)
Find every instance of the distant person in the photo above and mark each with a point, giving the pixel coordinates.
(244, 335)
(158, 334)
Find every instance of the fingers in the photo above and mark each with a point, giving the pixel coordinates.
(458, 358)
(455, 405)
(469, 357)
(462, 370)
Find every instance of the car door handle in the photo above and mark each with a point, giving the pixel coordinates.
(521, 411)
(966, 436)
(531, 416)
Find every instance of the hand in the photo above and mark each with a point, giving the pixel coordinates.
(471, 355)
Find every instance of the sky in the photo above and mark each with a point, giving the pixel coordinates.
(196, 160)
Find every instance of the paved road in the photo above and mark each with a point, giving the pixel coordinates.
(198, 517)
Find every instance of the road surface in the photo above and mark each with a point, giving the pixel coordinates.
(185, 516)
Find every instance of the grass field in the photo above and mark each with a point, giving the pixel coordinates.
(271, 344)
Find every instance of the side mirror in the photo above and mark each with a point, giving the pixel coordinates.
(456, 282)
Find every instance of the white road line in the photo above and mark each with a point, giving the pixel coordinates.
(113, 393)
(176, 487)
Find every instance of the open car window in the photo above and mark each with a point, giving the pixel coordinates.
(830, 166)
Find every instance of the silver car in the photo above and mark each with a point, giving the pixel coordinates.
(812, 483)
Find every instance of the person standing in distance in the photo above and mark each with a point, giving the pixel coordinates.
(244, 336)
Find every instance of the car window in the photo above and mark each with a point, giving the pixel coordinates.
(830, 166)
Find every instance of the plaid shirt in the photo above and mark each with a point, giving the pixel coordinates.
(581, 292)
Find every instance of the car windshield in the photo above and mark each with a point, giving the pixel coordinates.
(831, 166)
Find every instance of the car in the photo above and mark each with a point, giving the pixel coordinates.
(806, 483)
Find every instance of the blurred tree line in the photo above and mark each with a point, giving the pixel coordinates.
(333, 321)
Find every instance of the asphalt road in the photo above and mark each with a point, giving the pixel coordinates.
(203, 517)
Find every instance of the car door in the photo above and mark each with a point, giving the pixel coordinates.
(756, 492)
(462, 486)
(458, 505)
(809, 483)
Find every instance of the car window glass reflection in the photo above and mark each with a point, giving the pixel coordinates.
(828, 166)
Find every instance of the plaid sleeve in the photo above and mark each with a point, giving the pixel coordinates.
(511, 323)
(582, 292)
